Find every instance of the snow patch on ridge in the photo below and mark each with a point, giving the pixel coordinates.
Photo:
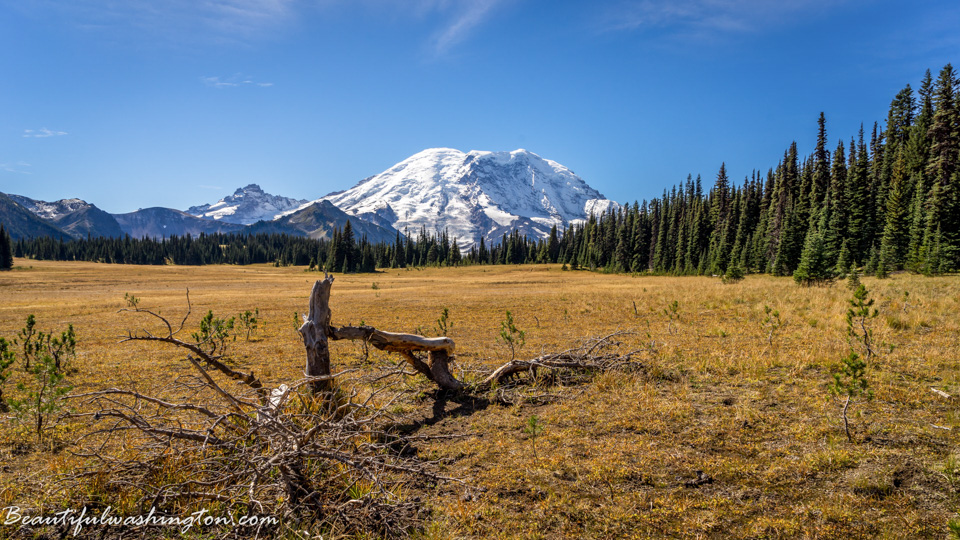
(249, 205)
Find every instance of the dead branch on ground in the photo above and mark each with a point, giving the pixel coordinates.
(216, 435)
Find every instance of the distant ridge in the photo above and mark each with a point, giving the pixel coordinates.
(20, 222)
(246, 206)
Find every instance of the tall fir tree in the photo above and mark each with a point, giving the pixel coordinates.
(859, 201)
(896, 231)
(943, 221)
(836, 231)
(6, 250)
(821, 166)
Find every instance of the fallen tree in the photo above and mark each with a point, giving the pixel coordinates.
(322, 449)
(435, 365)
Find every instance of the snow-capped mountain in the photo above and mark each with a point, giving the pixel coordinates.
(248, 205)
(76, 217)
(473, 194)
(51, 210)
(20, 222)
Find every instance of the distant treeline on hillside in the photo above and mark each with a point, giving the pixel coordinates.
(885, 202)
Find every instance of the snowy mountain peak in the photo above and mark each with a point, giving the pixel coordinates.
(250, 188)
(473, 194)
(247, 205)
(51, 210)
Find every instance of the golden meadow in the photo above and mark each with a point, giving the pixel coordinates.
(729, 428)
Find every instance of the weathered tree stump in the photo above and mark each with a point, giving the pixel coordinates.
(314, 331)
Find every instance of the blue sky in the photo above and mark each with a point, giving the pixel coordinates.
(136, 103)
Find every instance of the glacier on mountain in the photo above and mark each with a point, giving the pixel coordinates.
(473, 194)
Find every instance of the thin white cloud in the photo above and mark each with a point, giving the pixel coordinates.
(42, 133)
(469, 15)
(234, 81)
(708, 16)
(171, 20)
(15, 168)
(188, 22)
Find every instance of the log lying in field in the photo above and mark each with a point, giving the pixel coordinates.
(439, 351)
(316, 330)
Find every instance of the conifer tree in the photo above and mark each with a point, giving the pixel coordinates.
(844, 261)
(836, 231)
(454, 257)
(814, 268)
(821, 165)
(944, 200)
(6, 250)
(895, 240)
(720, 210)
(859, 202)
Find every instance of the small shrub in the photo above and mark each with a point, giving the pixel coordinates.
(249, 321)
(734, 274)
(443, 323)
(511, 336)
(7, 356)
(771, 323)
(214, 333)
(853, 279)
(534, 428)
(131, 300)
(859, 315)
(46, 365)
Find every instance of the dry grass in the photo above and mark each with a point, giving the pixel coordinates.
(620, 453)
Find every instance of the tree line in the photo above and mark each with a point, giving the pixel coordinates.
(882, 202)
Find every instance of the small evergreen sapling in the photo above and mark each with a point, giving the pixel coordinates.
(214, 333)
(733, 274)
(771, 323)
(132, 301)
(859, 315)
(249, 321)
(850, 383)
(48, 358)
(443, 323)
(511, 336)
(534, 428)
(25, 340)
(7, 356)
